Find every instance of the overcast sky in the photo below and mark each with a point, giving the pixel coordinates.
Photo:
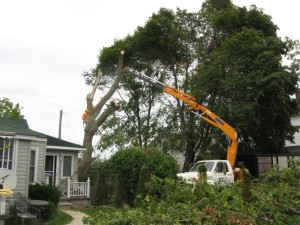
(45, 46)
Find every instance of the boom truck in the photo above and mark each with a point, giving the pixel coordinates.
(217, 171)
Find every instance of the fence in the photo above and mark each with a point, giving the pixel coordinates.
(77, 189)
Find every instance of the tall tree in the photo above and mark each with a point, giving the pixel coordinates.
(9, 109)
(163, 49)
(239, 75)
(99, 112)
(243, 78)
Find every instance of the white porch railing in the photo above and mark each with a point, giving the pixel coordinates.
(78, 189)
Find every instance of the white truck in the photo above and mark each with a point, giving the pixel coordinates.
(217, 172)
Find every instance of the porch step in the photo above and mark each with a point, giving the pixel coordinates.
(64, 205)
(75, 202)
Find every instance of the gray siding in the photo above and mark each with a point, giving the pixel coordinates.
(23, 161)
(41, 159)
(22, 166)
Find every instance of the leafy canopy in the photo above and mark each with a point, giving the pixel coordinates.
(8, 109)
(230, 58)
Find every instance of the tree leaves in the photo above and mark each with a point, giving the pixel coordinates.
(9, 109)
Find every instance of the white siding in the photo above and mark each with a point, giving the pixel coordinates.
(295, 120)
(21, 166)
(60, 153)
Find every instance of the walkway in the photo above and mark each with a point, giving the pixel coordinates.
(76, 215)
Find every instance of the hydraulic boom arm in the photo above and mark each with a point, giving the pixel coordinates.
(210, 117)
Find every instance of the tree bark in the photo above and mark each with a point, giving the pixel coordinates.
(95, 119)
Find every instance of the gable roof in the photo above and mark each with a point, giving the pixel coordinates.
(12, 126)
(53, 141)
(17, 126)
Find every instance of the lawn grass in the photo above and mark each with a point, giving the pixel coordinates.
(93, 210)
(60, 218)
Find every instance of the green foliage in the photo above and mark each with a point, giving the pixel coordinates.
(144, 178)
(45, 192)
(60, 218)
(101, 184)
(120, 191)
(126, 174)
(236, 59)
(289, 176)
(161, 49)
(161, 164)
(202, 172)
(228, 57)
(48, 193)
(9, 110)
(126, 165)
(275, 200)
(243, 80)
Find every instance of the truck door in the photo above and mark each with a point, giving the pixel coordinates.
(222, 174)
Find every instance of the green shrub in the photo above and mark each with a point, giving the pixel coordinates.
(45, 192)
(101, 182)
(120, 194)
(121, 178)
(161, 164)
(126, 165)
(48, 193)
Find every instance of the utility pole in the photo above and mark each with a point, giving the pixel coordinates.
(59, 126)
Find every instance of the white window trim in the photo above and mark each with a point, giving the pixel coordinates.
(11, 139)
(15, 157)
(36, 163)
(57, 170)
(63, 162)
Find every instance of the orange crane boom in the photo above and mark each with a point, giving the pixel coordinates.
(210, 117)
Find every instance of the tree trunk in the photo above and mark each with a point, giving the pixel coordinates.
(95, 119)
(86, 160)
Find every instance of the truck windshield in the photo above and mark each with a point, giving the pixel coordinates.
(209, 166)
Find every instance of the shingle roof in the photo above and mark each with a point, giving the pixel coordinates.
(17, 126)
(52, 141)
(20, 126)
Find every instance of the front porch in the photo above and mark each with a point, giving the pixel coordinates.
(76, 194)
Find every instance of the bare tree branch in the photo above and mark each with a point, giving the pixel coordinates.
(90, 96)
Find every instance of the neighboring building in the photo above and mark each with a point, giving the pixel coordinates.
(294, 148)
(261, 163)
(258, 164)
(36, 157)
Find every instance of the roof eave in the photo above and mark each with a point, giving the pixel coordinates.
(65, 148)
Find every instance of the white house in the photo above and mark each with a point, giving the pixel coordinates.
(36, 157)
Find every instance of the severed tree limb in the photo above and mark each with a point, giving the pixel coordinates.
(198, 203)
(287, 206)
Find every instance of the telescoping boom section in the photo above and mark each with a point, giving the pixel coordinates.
(210, 117)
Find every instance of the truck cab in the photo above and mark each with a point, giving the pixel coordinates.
(217, 172)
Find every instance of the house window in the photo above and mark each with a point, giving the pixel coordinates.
(33, 165)
(6, 152)
(67, 165)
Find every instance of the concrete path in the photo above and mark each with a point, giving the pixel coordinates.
(76, 215)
